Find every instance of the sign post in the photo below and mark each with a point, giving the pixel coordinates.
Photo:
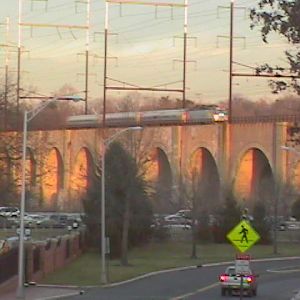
(243, 237)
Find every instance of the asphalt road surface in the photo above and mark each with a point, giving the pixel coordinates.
(278, 280)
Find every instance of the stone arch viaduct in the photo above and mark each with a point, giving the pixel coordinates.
(244, 157)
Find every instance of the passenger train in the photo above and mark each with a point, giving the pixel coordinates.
(148, 118)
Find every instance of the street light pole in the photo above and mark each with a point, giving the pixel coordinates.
(28, 116)
(105, 144)
(20, 290)
(103, 242)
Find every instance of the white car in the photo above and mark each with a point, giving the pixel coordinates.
(175, 219)
(230, 282)
(9, 212)
(178, 226)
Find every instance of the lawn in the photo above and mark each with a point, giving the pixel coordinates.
(36, 233)
(85, 271)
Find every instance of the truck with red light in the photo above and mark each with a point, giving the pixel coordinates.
(238, 283)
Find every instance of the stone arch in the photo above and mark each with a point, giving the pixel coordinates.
(159, 176)
(82, 171)
(254, 178)
(31, 169)
(5, 167)
(30, 180)
(205, 179)
(52, 179)
(295, 177)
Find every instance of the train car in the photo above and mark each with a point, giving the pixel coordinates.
(200, 117)
(122, 119)
(111, 120)
(84, 121)
(162, 117)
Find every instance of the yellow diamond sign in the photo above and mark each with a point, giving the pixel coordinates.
(243, 236)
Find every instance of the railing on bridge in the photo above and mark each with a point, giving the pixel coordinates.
(266, 118)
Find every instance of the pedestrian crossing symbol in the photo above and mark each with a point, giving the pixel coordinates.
(243, 236)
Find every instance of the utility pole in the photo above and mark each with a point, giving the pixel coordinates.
(184, 52)
(19, 59)
(231, 38)
(6, 70)
(45, 25)
(6, 75)
(230, 62)
(105, 65)
(87, 46)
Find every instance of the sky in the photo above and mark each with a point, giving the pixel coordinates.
(145, 47)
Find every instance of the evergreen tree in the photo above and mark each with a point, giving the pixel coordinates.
(260, 222)
(128, 209)
(228, 216)
(91, 205)
(129, 213)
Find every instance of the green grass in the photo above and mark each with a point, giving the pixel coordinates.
(153, 257)
(36, 233)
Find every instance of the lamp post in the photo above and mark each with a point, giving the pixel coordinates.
(28, 116)
(105, 144)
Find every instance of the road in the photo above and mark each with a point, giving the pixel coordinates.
(278, 280)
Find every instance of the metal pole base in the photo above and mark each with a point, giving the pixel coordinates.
(20, 293)
(103, 279)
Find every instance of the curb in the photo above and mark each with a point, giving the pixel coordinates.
(59, 296)
(296, 297)
(194, 267)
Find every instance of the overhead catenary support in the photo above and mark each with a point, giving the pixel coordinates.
(46, 25)
(119, 88)
(7, 57)
(19, 58)
(232, 8)
(102, 33)
(106, 33)
(265, 75)
(188, 38)
(87, 46)
(6, 46)
(230, 62)
(147, 3)
(105, 75)
(184, 52)
(220, 7)
(187, 61)
(243, 38)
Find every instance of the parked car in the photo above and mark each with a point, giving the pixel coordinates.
(61, 220)
(178, 226)
(33, 220)
(185, 213)
(175, 219)
(8, 211)
(47, 222)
